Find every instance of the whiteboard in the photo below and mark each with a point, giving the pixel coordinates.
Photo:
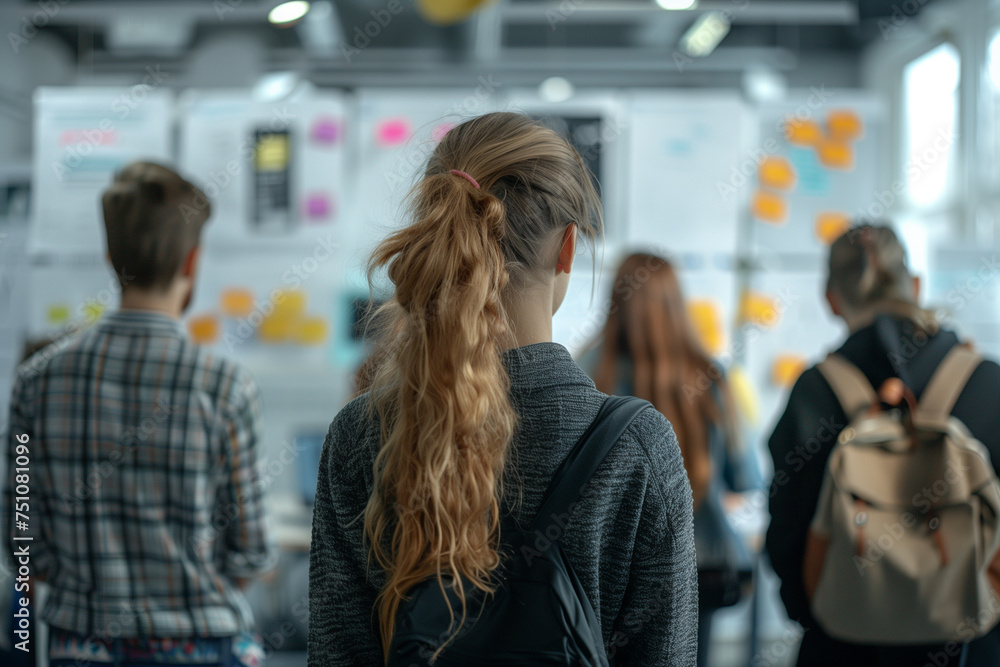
(82, 137)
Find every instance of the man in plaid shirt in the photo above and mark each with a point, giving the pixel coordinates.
(146, 516)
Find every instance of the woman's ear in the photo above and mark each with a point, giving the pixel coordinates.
(567, 251)
(834, 306)
(191, 262)
(916, 289)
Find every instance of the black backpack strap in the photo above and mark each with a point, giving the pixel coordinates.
(590, 450)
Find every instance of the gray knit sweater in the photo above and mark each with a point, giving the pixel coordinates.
(631, 542)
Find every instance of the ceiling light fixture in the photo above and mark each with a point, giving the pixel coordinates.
(556, 89)
(677, 4)
(288, 13)
(706, 33)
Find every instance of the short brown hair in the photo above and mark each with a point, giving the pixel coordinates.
(153, 219)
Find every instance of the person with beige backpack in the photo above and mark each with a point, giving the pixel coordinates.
(885, 504)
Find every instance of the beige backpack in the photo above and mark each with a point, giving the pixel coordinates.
(904, 545)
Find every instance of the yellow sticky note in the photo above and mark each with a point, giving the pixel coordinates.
(277, 328)
(786, 369)
(776, 173)
(92, 311)
(58, 313)
(844, 125)
(831, 225)
(707, 323)
(760, 309)
(312, 330)
(236, 302)
(290, 303)
(835, 154)
(803, 132)
(769, 207)
(204, 329)
(272, 152)
(743, 394)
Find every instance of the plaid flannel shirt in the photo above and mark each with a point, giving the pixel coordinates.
(144, 506)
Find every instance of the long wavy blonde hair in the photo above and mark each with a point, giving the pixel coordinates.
(438, 386)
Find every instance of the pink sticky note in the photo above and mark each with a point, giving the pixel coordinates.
(325, 130)
(438, 132)
(392, 132)
(318, 206)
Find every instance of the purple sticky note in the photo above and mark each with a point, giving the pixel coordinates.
(318, 206)
(392, 132)
(325, 130)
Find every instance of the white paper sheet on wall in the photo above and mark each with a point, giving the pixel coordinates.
(856, 192)
(82, 136)
(396, 133)
(965, 287)
(274, 171)
(684, 148)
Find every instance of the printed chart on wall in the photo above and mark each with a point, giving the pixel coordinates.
(274, 171)
(397, 132)
(82, 137)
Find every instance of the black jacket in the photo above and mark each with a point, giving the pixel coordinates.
(801, 444)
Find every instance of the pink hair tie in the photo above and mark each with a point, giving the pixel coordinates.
(464, 175)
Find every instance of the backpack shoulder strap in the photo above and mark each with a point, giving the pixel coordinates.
(948, 381)
(849, 384)
(586, 456)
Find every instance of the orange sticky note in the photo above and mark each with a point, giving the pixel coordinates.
(776, 173)
(835, 154)
(786, 369)
(236, 302)
(769, 207)
(204, 329)
(707, 324)
(844, 125)
(830, 225)
(803, 132)
(760, 309)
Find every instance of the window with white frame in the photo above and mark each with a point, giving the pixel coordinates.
(930, 110)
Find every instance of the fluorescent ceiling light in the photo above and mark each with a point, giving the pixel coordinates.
(288, 13)
(706, 33)
(275, 86)
(556, 89)
(677, 4)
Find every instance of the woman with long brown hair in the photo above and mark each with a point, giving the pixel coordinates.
(471, 408)
(649, 349)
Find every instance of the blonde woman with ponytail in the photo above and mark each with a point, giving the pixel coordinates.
(470, 408)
